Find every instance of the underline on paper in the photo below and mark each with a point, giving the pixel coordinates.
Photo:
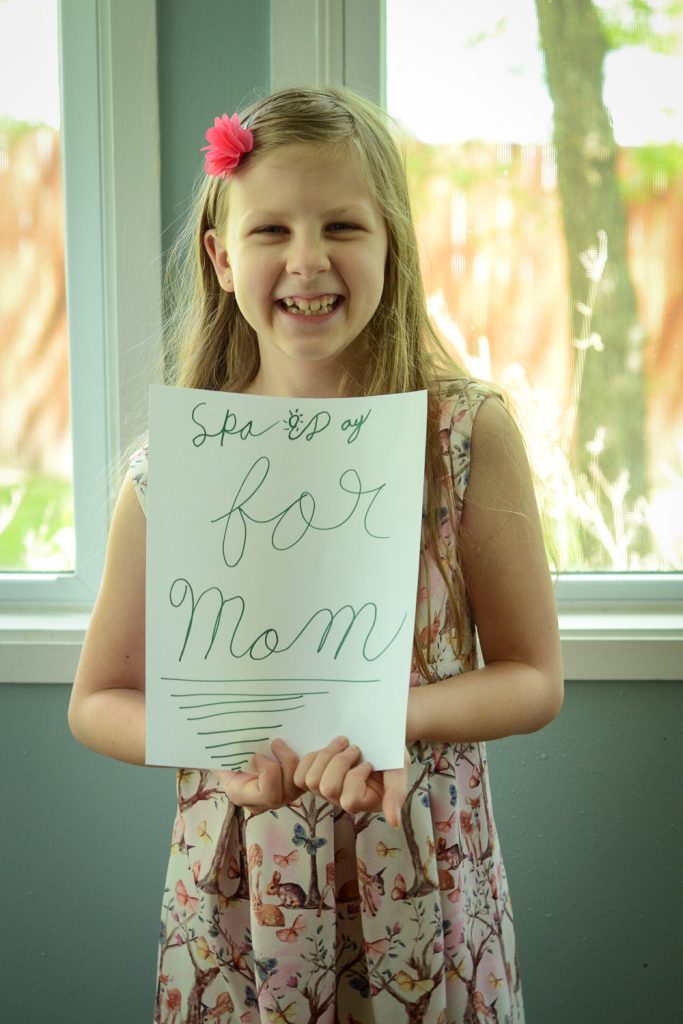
(273, 679)
(247, 711)
(251, 698)
(246, 728)
(233, 743)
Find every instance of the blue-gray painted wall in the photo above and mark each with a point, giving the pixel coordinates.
(588, 810)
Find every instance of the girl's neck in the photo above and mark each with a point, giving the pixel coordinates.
(320, 380)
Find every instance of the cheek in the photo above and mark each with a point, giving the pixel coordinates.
(256, 277)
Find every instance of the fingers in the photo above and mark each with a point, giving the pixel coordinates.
(395, 791)
(324, 771)
(234, 785)
(362, 790)
(311, 766)
(257, 790)
(336, 773)
(289, 762)
(270, 782)
(302, 768)
(395, 782)
(264, 791)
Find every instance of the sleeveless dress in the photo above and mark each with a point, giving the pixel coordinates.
(310, 914)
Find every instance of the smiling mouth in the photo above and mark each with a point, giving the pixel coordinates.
(319, 306)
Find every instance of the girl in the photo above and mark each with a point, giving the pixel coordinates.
(313, 888)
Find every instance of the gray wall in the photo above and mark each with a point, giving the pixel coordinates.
(588, 810)
(214, 58)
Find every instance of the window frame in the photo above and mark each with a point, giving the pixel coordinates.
(612, 625)
(109, 96)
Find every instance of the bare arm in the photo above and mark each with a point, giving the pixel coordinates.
(107, 707)
(521, 688)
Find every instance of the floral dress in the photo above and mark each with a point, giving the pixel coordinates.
(310, 914)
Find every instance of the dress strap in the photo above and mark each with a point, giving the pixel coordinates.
(138, 467)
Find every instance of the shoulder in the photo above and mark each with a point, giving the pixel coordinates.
(460, 406)
(459, 401)
(496, 439)
(476, 409)
(500, 484)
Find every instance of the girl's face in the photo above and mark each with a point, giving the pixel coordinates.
(304, 252)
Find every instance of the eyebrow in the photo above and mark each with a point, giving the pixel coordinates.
(352, 209)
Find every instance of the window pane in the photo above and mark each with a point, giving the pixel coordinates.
(36, 501)
(547, 180)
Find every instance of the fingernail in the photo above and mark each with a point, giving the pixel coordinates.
(343, 740)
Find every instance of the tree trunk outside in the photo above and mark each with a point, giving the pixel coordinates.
(611, 383)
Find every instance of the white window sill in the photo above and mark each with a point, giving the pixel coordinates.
(43, 645)
(622, 644)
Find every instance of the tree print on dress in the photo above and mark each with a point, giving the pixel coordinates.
(421, 884)
(306, 913)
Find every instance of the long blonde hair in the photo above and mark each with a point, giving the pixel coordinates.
(210, 344)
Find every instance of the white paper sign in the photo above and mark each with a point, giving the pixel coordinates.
(282, 562)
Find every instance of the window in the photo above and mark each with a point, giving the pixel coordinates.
(467, 82)
(36, 496)
(548, 247)
(112, 219)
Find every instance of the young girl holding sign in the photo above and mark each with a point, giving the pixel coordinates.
(314, 888)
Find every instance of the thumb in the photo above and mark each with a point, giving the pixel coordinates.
(394, 797)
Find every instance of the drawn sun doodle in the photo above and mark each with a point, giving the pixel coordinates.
(293, 421)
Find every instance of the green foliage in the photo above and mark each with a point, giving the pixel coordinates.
(656, 25)
(464, 166)
(36, 525)
(499, 29)
(592, 522)
(652, 170)
(425, 161)
(14, 131)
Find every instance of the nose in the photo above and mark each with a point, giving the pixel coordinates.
(307, 255)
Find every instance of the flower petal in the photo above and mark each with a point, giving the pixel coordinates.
(228, 141)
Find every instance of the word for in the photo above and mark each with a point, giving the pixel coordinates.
(291, 522)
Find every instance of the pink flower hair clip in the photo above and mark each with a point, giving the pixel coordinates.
(228, 141)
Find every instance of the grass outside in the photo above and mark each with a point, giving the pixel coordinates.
(37, 525)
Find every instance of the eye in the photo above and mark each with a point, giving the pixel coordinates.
(270, 229)
(340, 225)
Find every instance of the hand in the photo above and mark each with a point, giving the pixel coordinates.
(338, 773)
(269, 786)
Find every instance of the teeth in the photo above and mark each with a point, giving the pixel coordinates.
(308, 307)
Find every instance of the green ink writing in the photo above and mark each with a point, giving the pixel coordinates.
(268, 642)
(292, 522)
(229, 428)
(354, 426)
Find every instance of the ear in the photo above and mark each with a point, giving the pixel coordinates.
(219, 257)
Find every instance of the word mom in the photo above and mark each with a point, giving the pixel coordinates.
(268, 641)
